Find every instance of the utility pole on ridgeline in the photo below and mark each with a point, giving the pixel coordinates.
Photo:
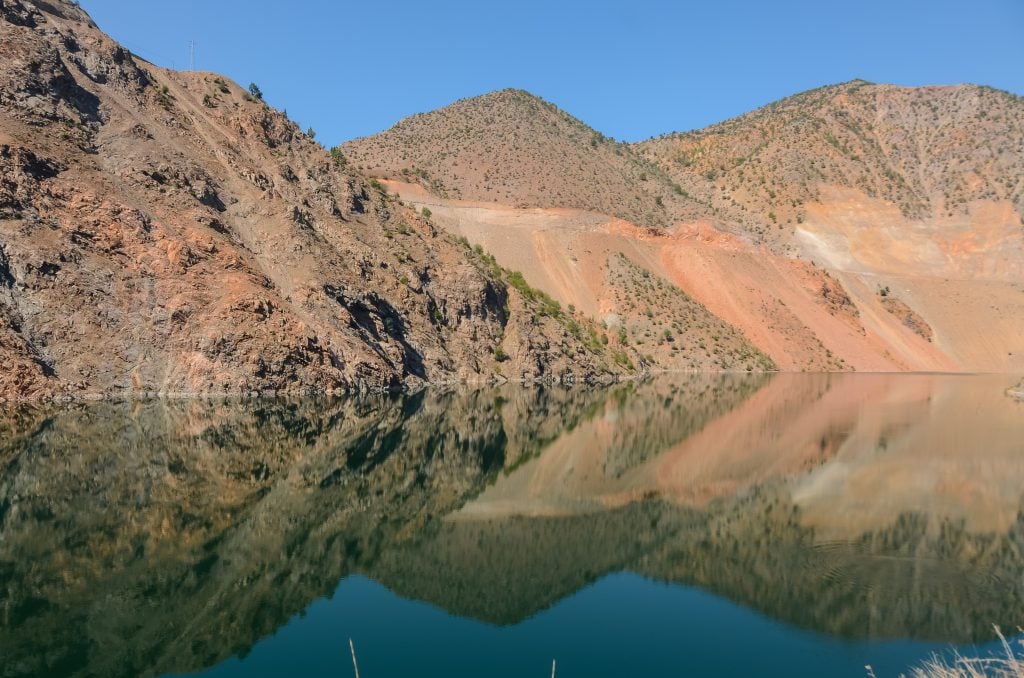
(192, 55)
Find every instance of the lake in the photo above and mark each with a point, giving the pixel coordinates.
(690, 525)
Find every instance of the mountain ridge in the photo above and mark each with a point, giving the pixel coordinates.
(780, 221)
(515, 147)
(168, 232)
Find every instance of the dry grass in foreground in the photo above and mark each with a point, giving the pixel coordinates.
(1010, 665)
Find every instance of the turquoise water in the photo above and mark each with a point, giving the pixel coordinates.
(776, 525)
(623, 625)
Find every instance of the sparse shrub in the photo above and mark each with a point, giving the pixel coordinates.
(621, 358)
(164, 97)
(255, 91)
(426, 212)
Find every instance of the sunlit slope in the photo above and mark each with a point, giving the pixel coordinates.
(855, 226)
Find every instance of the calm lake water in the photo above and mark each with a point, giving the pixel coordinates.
(697, 525)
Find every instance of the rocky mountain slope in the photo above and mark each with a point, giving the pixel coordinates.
(514, 148)
(169, 232)
(855, 226)
(929, 151)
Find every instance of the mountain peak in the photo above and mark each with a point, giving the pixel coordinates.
(512, 147)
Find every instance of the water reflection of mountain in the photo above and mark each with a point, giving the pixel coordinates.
(861, 506)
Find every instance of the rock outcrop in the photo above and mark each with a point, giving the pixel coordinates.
(168, 232)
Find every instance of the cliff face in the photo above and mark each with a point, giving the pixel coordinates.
(168, 232)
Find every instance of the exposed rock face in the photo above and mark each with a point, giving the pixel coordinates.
(782, 222)
(165, 232)
(908, 317)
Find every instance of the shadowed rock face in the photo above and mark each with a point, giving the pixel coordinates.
(166, 232)
(195, 528)
(138, 538)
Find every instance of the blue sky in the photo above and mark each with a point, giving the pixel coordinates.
(631, 69)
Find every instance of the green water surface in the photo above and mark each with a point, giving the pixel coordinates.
(692, 525)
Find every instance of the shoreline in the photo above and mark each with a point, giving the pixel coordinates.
(563, 380)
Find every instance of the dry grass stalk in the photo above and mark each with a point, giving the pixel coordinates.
(1010, 665)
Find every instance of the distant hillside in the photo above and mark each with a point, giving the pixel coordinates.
(514, 148)
(931, 151)
(855, 226)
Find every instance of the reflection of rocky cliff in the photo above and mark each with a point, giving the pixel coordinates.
(504, 571)
(916, 578)
(857, 506)
(657, 415)
(196, 528)
(912, 579)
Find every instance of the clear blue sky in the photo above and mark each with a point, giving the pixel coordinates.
(632, 69)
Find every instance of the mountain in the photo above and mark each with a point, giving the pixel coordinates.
(856, 226)
(932, 152)
(514, 148)
(169, 232)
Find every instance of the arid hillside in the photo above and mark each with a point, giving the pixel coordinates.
(932, 152)
(169, 232)
(513, 148)
(912, 199)
(856, 226)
